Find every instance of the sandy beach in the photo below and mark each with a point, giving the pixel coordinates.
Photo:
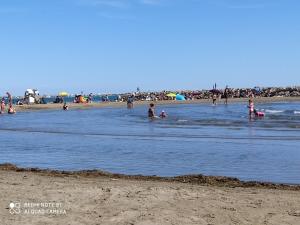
(137, 103)
(101, 198)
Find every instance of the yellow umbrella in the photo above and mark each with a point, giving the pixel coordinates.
(63, 94)
(172, 95)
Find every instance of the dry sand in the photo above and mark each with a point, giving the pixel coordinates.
(105, 199)
(137, 103)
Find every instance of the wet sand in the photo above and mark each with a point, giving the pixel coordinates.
(137, 103)
(95, 197)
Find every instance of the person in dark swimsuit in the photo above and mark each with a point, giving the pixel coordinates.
(151, 112)
(130, 102)
(65, 107)
(226, 95)
(163, 114)
(214, 99)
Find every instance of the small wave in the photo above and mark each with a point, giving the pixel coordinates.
(273, 111)
(182, 121)
(156, 136)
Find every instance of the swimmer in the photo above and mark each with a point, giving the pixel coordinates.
(151, 111)
(163, 114)
(258, 114)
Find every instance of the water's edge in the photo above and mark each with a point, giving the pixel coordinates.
(195, 179)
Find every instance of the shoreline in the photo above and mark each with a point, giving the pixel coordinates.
(52, 106)
(193, 179)
(101, 198)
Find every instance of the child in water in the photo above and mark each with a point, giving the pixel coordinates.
(253, 111)
(163, 114)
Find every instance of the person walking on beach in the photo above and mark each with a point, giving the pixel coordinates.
(151, 111)
(2, 105)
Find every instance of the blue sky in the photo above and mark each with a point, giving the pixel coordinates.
(116, 45)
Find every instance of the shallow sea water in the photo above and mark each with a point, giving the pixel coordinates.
(211, 140)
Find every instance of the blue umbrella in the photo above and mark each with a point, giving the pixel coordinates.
(180, 97)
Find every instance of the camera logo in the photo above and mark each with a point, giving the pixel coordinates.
(15, 208)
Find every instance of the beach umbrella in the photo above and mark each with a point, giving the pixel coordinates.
(172, 95)
(63, 94)
(180, 98)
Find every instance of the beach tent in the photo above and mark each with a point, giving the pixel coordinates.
(31, 96)
(180, 97)
(63, 94)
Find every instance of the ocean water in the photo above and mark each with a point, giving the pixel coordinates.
(194, 139)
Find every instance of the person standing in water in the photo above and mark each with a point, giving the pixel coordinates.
(130, 102)
(226, 95)
(11, 110)
(2, 105)
(214, 99)
(151, 111)
(251, 107)
(9, 98)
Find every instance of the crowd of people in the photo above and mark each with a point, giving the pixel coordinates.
(226, 93)
(214, 94)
